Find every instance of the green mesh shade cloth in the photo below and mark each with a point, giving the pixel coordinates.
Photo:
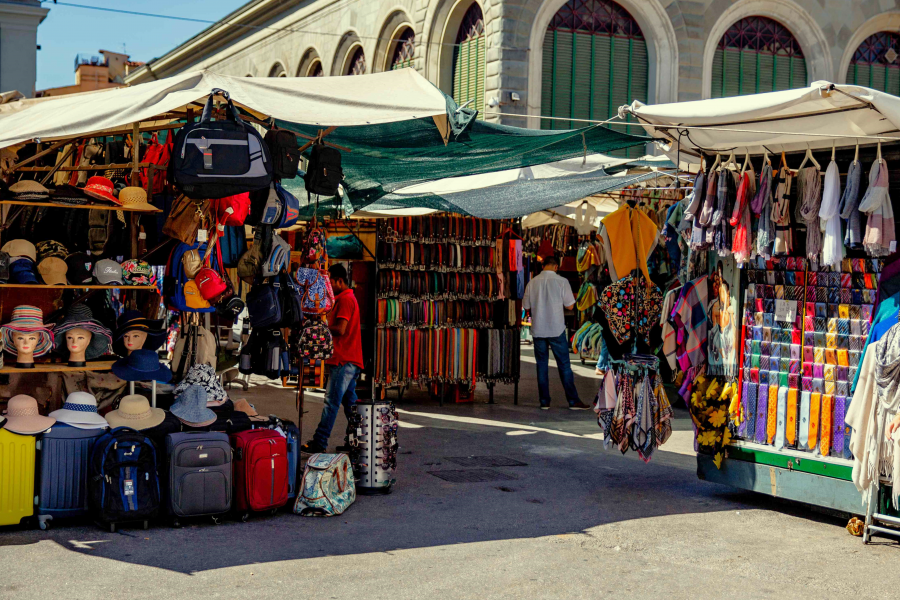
(384, 158)
(510, 200)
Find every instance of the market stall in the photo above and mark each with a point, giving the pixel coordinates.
(792, 212)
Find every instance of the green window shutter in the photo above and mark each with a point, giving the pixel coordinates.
(547, 81)
(799, 73)
(601, 77)
(877, 77)
(783, 73)
(717, 74)
(892, 85)
(480, 64)
(581, 83)
(562, 91)
(748, 73)
(766, 72)
(732, 72)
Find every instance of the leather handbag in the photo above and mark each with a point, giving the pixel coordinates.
(186, 218)
(315, 284)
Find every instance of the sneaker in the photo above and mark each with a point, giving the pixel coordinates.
(579, 406)
(311, 447)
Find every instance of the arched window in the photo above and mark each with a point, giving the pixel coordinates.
(277, 71)
(315, 69)
(404, 50)
(357, 63)
(469, 60)
(757, 55)
(876, 63)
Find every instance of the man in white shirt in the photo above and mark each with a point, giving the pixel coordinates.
(547, 296)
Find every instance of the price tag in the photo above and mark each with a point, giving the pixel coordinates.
(142, 235)
(785, 310)
(893, 245)
(129, 487)
(202, 235)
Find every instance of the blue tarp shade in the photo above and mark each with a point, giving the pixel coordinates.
(388, 157)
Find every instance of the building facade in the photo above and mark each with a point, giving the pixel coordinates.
(558, 63)
(99, 72)
(19, 20)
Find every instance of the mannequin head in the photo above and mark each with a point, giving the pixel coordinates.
(77, 341)
(134, 340)
(25, 345)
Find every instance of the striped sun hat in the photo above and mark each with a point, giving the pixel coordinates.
(27, 319)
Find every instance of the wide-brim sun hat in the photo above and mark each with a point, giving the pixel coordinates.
(80, 410)
(136, 198)
(135, 412)
(69, 194)
(142, 365)
(101, 188)
(80, 316)
(27, 319)
(28, 189)
(190, 407)
(133, 320)
(22, 416)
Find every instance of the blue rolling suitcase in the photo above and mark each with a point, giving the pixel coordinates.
(64, 458)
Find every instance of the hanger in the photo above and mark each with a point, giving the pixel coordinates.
(730, 161)
(746, 162)
(879, 151)
(832, 150)
(716, 163)
(766, 158)
(508, 230)
(809, 156)
(856, 154)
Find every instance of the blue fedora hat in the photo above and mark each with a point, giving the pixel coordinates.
(141, 365)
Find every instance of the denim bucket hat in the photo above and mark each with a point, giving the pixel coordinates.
(190, 407)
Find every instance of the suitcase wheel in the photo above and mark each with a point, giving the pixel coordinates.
(245, 517)
(146, 525)
(112, 527)
(175, 523)
(274, 512)
(215, 520)
(44, 522)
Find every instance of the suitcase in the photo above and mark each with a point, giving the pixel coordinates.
(260, 471)
(17, 453)
(199, 474)
(64, 456)
(293, 448)
(124, 479)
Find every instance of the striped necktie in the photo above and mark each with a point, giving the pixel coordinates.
(762, 413)
(837, 442)
(751, 412)
(772, 417)
(804, 420)
(825, 445)
(781, 417)
(815, 400)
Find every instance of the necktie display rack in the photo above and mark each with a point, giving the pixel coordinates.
(448, 304)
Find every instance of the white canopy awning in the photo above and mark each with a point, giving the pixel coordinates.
(818, 116)
(328, 101)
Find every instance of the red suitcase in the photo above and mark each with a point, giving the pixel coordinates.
(260, 471)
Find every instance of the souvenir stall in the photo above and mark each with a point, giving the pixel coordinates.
(786, 311)
(188, 197)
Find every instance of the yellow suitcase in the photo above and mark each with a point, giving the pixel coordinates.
(17, 454)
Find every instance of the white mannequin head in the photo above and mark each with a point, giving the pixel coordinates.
(77, 342)
(26, 343)
(134, 340)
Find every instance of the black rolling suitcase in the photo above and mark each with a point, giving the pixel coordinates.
(199, 474)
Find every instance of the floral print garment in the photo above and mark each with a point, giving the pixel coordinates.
(631, 307)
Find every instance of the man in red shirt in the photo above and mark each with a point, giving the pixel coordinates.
(345, 364)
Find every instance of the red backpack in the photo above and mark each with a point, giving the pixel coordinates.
(159, 155)
(233, 210)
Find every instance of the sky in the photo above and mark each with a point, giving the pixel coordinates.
(68, 31)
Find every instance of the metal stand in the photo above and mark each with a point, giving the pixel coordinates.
(516, 392)
(873, 517)
(491, 393)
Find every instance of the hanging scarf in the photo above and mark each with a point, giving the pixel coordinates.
(781, 215)
(764, 191)
(832, 248)
(809, 195)
(850, 205)
(762, 205)
(723, 193)
(709, 200)
(605, 406)
(740, 219)
(695, 200)
(643, 435)
(887, 386)
(877, 204)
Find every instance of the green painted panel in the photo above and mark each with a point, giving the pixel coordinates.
(777, 459)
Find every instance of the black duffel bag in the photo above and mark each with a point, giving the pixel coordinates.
(214, 159)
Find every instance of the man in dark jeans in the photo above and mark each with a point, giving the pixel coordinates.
(547, 296)
(345, 364)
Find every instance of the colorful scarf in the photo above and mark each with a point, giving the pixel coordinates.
(809, 194)
(850, 205)
(832, 248)
(876, 203)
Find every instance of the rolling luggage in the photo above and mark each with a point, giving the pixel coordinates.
(260, 471)
(17, 453)
(124, 482)
(293, 448)
(200, 479)
(64, 456)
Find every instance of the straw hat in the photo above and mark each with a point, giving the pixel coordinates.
(135, 412)
(80, 410)
(22, 416)
(135, 197)
(101, 188)
(27, 319)
(80, 316)
(29, 190)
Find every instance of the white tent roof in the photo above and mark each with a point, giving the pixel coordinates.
(328, 101)
(816, 116)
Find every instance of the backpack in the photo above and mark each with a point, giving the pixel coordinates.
(233, 244)
(291, 302)
(159, 155)
(279, 257)
(315, 285)
(214, 159)
(264, 305)
(232, 210)
(182, 293)
(284, 151)
(261, 355)
(290, 208)
(315, 341)
(327, 488)
(323, 173)
(124, 481)
(98, 230)
(249, 266)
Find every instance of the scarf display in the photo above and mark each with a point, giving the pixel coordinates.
(631, 307)
(781, 215)
(809, 193)
(829, 213)
(710, 198)
(850, 205)
(632, 407)
(880, 237)
(740, 220)
(762, 206)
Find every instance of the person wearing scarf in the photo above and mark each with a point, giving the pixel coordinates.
(850, 205)
(875, 403)
(809, 194)
(762, 206)
(829, 213)
(880, 237)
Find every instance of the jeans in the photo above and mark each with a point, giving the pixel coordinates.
(560, 347)
(341, 389)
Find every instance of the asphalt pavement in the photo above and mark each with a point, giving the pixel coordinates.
(561, 517)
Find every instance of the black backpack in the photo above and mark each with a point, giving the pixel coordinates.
(261, 355)
(124, 478)
(285, 154)
(324, 173)
(214, 159)
(264, 305)
(291, 302)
